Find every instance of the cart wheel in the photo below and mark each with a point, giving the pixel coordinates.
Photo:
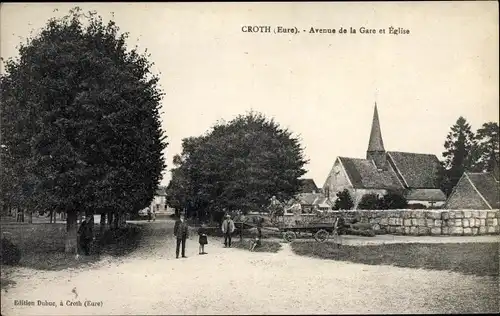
(289, 236)
(321, 235)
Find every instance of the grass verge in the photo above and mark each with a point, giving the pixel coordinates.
(266, 246)
(51, 256)
(479, 259)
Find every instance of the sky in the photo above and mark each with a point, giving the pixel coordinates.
(322, 87)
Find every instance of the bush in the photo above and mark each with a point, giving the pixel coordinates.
(392, 200)
(369, 201)
(343, 201)
(10, 253)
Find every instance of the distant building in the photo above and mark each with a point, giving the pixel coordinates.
(308, 186)
(308, 202)
(478, 191)
(414, 175)
(159, 203)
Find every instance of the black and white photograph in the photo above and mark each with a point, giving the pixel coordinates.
(249, 158)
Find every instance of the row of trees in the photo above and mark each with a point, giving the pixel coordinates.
(80, 123)
(237, 165)
(371, 201)
(468, 151)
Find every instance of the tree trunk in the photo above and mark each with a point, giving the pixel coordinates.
(71, 232)
(116, 217)
(30, 217)
(50, 215)
(102, 226)
(110, 220)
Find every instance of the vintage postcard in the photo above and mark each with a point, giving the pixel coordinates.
(249, 158)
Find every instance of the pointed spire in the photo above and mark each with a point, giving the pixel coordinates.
(376, 143)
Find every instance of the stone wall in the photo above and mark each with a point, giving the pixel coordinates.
(416, 222)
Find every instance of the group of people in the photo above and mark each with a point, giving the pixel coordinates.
(181, 233)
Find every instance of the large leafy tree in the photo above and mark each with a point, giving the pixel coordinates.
(460, 154)
(81, 125)
(487, 138)
(238, 165)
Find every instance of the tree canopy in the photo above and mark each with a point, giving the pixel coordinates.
(80, 120)
(237, 165)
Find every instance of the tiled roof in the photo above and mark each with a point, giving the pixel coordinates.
(487, 186)
(312, 199)
(161, 191)
(417, 170)
(363, 174)
(308, 186)
(425, 195)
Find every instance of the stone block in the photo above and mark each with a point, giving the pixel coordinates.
(376, 227)
(475, 231)
(467, 231)
(491, 222)
(421, 222)
(459, 214)
(467, 214)
(438, 223)
(399, 221)
(391, 229)
(457, 230)
(392, 221)
(405, 214)
(458, 222)
(482, 230)
(445, 215)
(400, 230)
(482, 214)
(429, 222)
(436, 231)
(407, 230)
(491, 229)
(475, 214)
(418, 214)
(491, 214)
(433, 214)
(373, 220)
(384, 221)
(414, 222)
(413, 230)
(474, 222)
(445, 230)
(465, 222)
(407, 222)
(423, 231)
(482, 222)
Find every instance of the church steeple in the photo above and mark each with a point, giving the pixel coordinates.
(376, 151)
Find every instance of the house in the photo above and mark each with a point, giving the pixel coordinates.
(159, 202)
(414, 175)
(478, 191)
(308, 202)
(308, 186)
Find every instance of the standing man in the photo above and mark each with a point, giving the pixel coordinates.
(181, 234)
(227, 230)
(85, 234)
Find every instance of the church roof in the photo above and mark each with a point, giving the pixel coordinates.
(425, 195)
(363, 174)
(308, 186)
(487, 187)
(376, 143)
(417, 170)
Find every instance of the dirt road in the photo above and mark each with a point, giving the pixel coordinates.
(233, 281)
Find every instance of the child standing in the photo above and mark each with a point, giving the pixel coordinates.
(203, 240)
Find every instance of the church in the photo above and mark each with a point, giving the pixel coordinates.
(413, 174)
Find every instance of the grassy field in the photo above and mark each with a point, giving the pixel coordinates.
(479, 259)
(266, 246)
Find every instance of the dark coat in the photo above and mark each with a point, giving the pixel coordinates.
(202, 232)
(85, 230)
(180, 229)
